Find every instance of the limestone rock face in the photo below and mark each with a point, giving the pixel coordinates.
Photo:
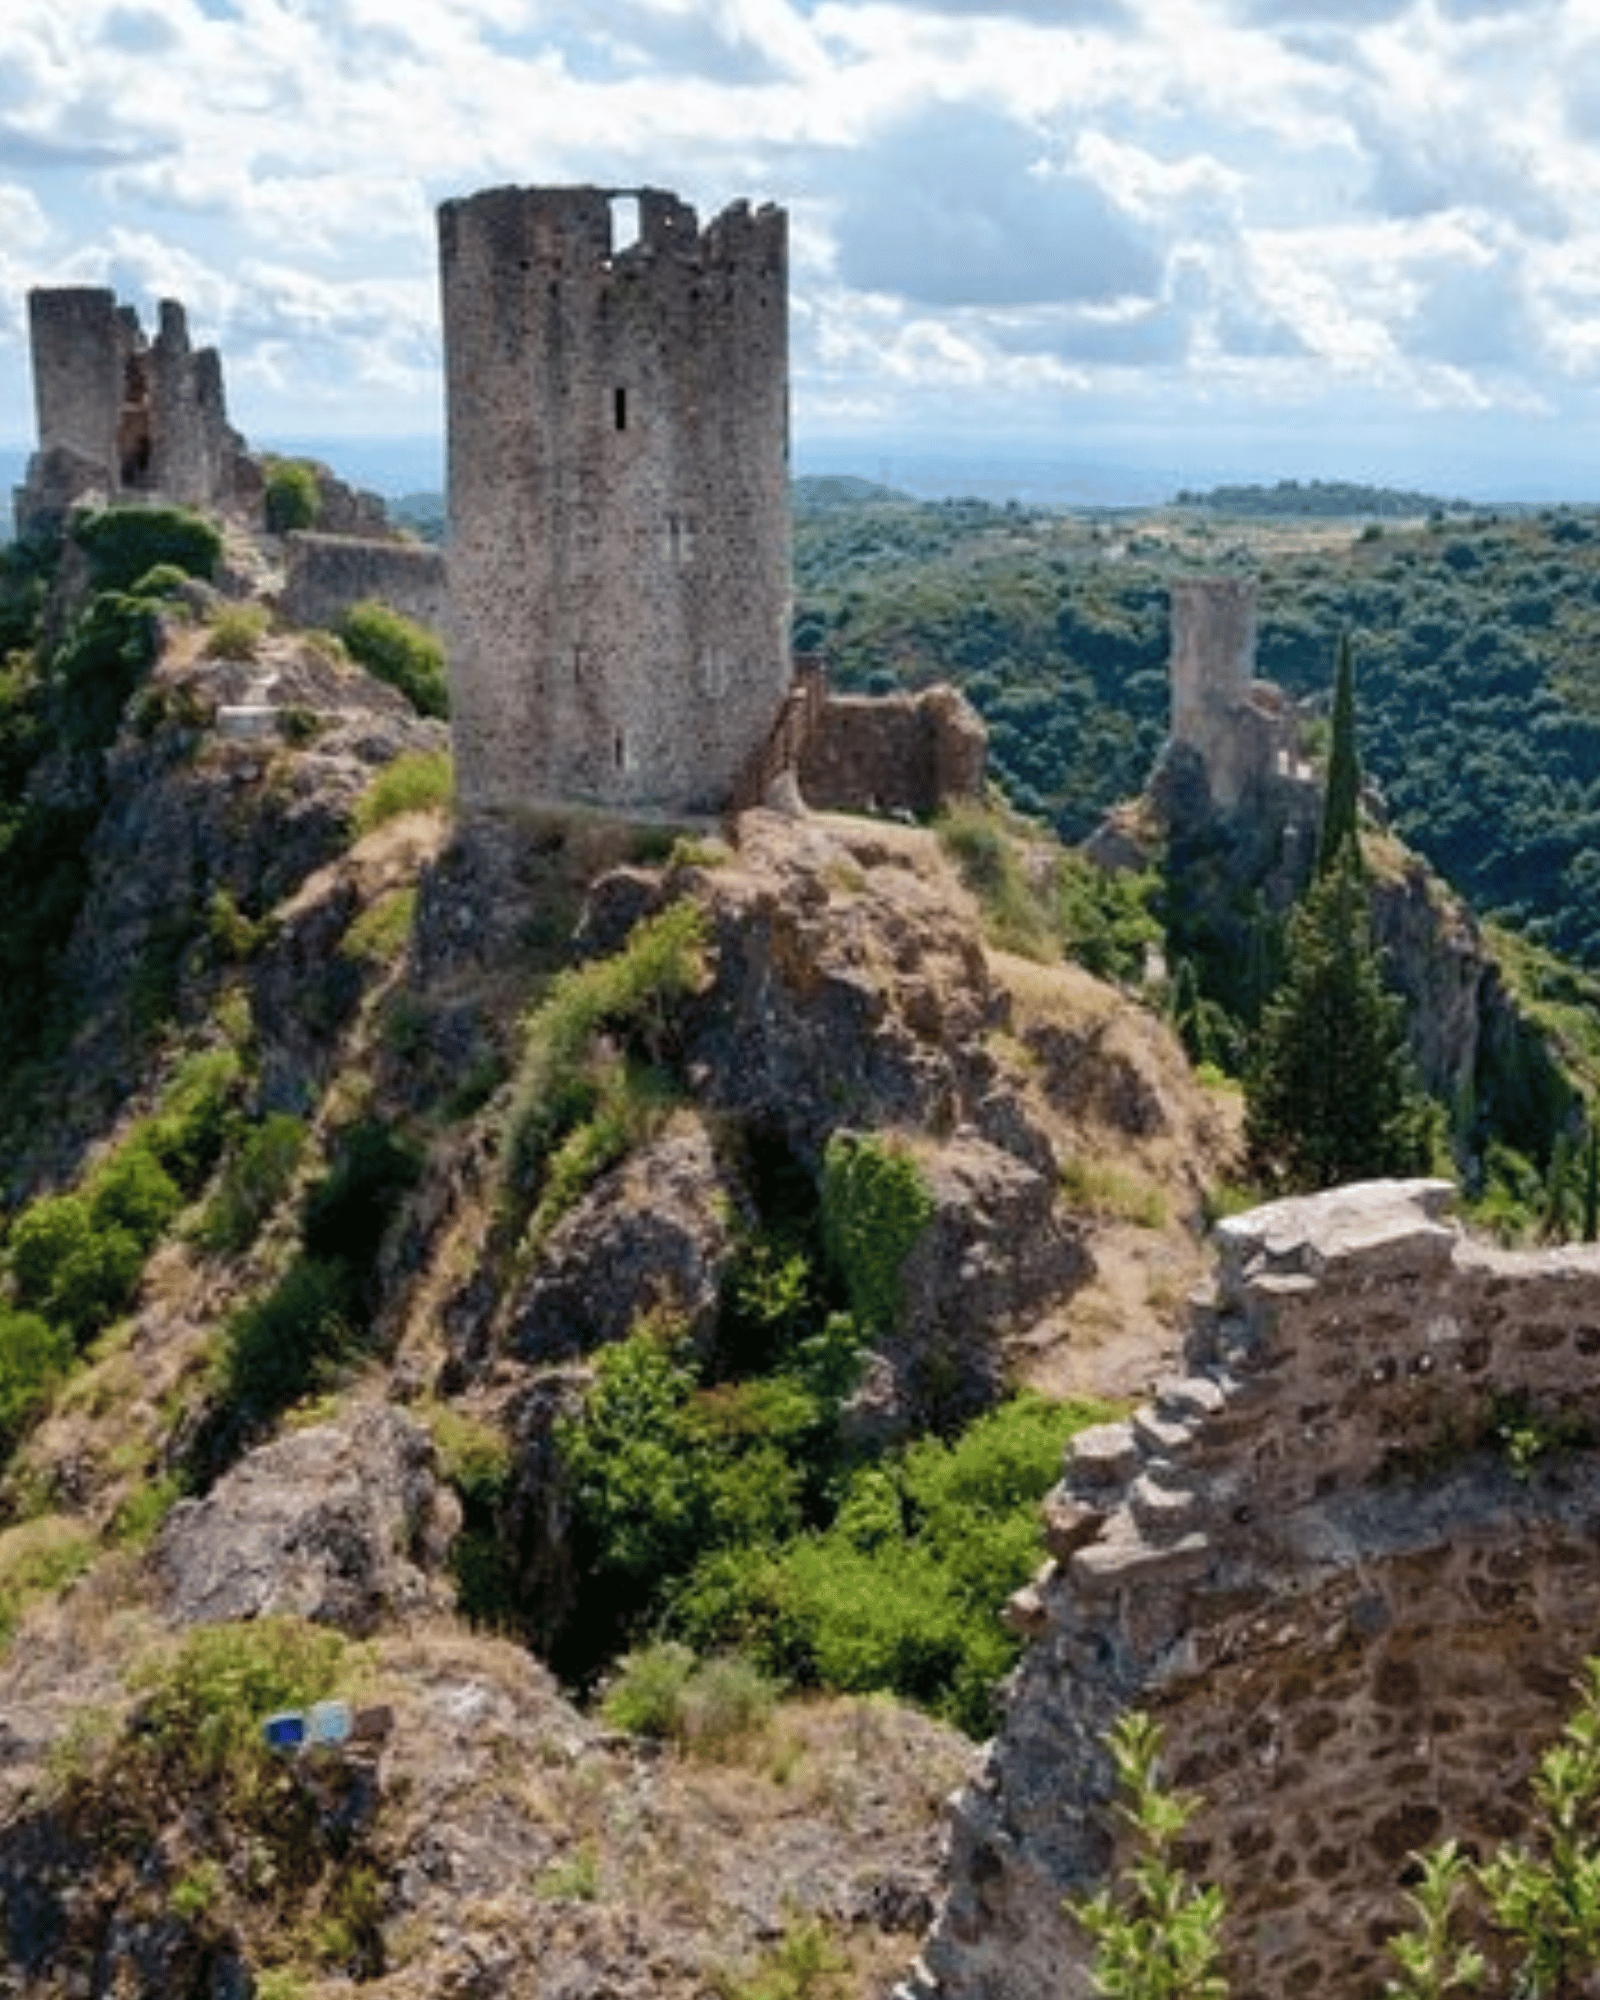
(1311, 1558)
(340, 1523)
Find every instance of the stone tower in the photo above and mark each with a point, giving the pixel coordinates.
(1241, 729)
(618, 474)
(120, 416)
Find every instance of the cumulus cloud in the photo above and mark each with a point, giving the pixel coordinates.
(958, 207)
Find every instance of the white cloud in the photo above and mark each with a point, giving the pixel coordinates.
(1160, 204)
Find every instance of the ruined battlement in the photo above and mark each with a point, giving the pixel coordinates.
(617, 414)
(1356, 1613)
(121, 416)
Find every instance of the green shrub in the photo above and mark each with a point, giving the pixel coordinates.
(124, 544)
(67, 1267)
(195, 1119)
(632, 993)
(203, 1701)
(253, 1182)
(134, 1192)
(398, 652)
(347, 1212)
(645, 1694)
(34, 1356)
(292, 497)
(875, 1204)
(279, 1347)
(1015, 916)
(417, 781)
(705, 1707)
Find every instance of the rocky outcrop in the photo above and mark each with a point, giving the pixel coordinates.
(1356, 1613)
(658, 1233)
(344, 1523)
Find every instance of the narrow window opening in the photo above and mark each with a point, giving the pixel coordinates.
(624, 222)
(619, 408)
(618, 752)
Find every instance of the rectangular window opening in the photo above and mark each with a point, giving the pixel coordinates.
(619, 408)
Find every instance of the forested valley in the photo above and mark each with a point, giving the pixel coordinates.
(1476, 638)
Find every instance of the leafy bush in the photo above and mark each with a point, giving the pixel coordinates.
(124, 543)
(875, 1204)
(398, 652)
(292, 497)
(278, 1347)
(417, 781)
(253, 1182)
(557, 1086)
(67, 1267)
(991, 866)
(706, 1707)
(34, 1356)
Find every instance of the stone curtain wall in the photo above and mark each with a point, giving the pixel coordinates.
(327, 574)
(1311, 1558)
(618, 476)
(911, 753)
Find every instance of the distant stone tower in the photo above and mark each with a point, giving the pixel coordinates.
(120, 416)
(1241, 729)
(619, 496)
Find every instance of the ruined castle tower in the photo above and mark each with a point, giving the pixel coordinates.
(1241, 729)
(618, 474)
(120, 416)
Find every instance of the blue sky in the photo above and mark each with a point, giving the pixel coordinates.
(1313, 237)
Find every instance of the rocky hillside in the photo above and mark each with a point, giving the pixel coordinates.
(358, 1150)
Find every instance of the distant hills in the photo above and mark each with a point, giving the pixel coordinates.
(1323, 500)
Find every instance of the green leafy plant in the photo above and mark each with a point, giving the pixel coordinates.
(1157, 1936)
(34, 1358)
(1431, 1963)
(399, 652)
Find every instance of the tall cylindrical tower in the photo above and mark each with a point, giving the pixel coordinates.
(618, 474)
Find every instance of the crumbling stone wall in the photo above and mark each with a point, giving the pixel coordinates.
(1312, 1560)
(901, 753)
(618, 480)
(121, 416)
(327, 574)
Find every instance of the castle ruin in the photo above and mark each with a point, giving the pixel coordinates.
(617, 421)
(124, 417)
(1240, 729)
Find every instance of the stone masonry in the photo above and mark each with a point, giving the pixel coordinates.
(1242, 730)
(325, 575)
(618, 488)
(1357, 1617)
(124, 417)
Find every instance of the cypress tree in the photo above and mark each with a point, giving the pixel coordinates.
(1331, 1096)
(1341, 802)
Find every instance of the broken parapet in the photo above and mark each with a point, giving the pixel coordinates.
(1312, 1559)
